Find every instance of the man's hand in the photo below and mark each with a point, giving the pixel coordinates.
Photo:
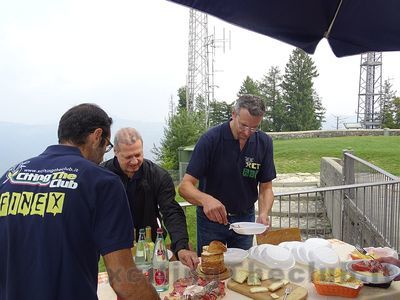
(188, 258)
(263, 219)
(215, 210)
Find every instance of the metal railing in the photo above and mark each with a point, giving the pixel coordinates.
(372, 217)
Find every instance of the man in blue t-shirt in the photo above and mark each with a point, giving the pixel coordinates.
(59, 211)
(233, 164)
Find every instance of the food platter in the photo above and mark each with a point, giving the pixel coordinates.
(369, 277)
(248, 228)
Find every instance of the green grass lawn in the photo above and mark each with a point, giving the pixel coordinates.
(304, 155)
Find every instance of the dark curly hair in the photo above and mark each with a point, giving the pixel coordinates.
(81, 120)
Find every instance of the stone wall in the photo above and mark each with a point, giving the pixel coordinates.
(331, 175)
(332, 133)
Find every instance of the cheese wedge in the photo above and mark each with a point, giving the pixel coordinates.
(264, 275)
(258, 289)
(253, 279)
(240, 276)
(274, 296)
(275, 286)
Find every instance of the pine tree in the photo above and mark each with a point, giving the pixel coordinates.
(219, 112)
(304, 110)
(249, 86)
(182, 105)
(182, 129)
(271, 93)
(388, 109)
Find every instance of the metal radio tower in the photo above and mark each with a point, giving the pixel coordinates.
(201, 62)
(370, 90)
(198, 67)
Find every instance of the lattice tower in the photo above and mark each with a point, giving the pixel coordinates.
(370, 90)
(198, 88)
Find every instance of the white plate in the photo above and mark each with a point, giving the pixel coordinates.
(251, 251)
(394, 271)
(235, 256)
(290, 244)
(318, 242)
(276, 257)
(293, 247)
(323, 257)
(302, 254)
(248, 228)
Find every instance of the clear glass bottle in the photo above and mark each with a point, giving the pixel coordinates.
(134, 243)
(160, 277)
(150, 243)
(142, 253)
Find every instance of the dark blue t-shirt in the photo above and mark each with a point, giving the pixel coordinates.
(58, 213)
(229, 174)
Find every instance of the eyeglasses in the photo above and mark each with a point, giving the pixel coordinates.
(109, 146)
(244, 127)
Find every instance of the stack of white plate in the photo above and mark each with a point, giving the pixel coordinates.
(314, 251)
(274, 257)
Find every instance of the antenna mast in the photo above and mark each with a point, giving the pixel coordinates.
(201, 60)
(198, 68)
(370, 90)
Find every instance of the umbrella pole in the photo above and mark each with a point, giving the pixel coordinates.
(328, 32)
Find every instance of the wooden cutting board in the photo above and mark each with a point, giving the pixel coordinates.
(298, 292)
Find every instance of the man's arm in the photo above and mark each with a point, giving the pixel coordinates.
(213, 208)
(127, 281)
(265, 202)
(175, 221)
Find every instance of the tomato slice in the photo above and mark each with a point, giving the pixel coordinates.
(361, 267)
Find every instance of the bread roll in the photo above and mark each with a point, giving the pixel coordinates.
(216, 247)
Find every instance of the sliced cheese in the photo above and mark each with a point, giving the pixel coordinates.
(264, 275)
(253, 279)
(258, 289)
(275, 286)
(274, 296)
(285, 282)
(240, 276)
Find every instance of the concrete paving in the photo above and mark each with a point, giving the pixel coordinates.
(296, 179)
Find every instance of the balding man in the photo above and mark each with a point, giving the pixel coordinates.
(151, 193)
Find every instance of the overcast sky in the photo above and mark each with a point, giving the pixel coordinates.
(130, 57)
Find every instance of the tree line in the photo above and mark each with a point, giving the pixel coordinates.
(292, 104)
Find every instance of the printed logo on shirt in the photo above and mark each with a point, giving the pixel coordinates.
(54, 178)
(251, 168)
(29, 203)
(37, 203)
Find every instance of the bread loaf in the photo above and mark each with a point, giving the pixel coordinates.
(216, 247)
(212, 258)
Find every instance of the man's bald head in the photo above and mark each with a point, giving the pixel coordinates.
(126, 136)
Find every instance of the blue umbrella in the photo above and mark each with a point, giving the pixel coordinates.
(351, 26)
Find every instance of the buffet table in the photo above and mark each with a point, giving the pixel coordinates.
(300, 272)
